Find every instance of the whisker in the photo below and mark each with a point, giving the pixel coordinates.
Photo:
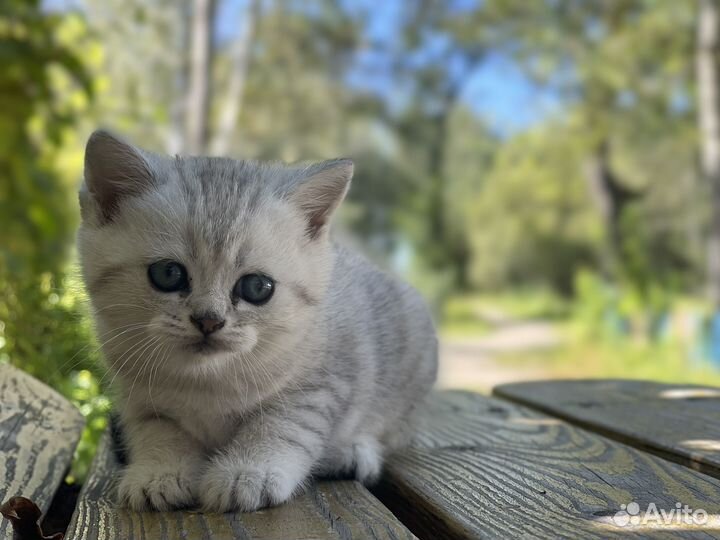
(128, 355)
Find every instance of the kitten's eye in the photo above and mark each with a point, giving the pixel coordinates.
(254, 288)
(168, 276)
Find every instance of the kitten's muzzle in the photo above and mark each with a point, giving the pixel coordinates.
(207, 323)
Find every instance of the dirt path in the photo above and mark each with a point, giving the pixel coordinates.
(475, 363)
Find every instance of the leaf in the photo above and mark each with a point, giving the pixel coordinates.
(23, 515)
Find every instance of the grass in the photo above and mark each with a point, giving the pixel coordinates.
(462, 317)
(580, 355)
(470, 315)
(663, 362)
(525, 304)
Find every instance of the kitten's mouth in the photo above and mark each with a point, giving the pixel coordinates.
(208, 346)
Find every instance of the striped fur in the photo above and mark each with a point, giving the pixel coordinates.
(321, 380)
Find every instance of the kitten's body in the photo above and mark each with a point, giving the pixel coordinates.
(320, 380)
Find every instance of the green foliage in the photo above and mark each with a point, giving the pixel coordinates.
(83, 388)
(617, 330)
(534, 222)
(463, 317)
(43, 87)
(472, 315)
(625, 71)
(595, 302)
(45, 341)
(664, 362)
(35, 209)
(615, 312)
(604, 331)
(40, 86)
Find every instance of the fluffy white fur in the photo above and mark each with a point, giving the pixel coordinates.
(321, 380)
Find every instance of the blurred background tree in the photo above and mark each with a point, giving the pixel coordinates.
(44, 87)
(552, 161)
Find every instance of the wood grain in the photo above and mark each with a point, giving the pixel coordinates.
(485, 468)
(677, 422)
(338, 510)
(39, 430)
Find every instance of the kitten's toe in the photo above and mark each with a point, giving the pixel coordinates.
(368, 461)
(362, 461)
(229, 485)
(280, 487)
(157, 487)
(225, 488)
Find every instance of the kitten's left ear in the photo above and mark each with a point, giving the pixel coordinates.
(114, 170)
(320, 191)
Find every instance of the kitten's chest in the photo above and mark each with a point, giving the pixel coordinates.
(212, 431)
(210, 420)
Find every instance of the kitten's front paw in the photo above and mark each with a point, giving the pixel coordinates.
(229, 484)
(158, 486)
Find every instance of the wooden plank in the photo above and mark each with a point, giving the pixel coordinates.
(39, 430)
(339, 510)
(485, 468)
(677, 422)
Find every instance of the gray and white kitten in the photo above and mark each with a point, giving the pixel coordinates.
(250, 352)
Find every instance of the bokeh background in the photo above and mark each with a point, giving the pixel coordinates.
(546, 172)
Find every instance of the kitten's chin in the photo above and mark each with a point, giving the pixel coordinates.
(198, 350)
(204, 348)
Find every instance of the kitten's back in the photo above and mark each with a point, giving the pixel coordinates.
(388, 325)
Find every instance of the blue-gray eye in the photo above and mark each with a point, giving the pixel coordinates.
(168, 276)
(254, 288)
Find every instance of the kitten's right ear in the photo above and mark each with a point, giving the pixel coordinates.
(320, 191)
(114, 169)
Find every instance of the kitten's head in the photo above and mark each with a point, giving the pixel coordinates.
(192, 262)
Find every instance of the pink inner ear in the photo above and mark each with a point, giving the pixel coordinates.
(110, 194)
(321, 193)
(319, 213)
(316, 223)
(114, 170)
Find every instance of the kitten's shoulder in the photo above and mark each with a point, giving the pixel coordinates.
(351, 270)
(348, 263)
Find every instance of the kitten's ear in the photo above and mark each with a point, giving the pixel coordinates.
(320, 192)
(113, 169)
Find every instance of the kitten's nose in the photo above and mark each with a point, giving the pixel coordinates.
(207, 323)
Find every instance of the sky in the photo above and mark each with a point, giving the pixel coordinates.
(506, 99)
(498, 91)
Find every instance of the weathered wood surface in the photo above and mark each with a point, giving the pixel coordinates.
(329, 510)
(486, 468)
(39, 430)
(677, 422)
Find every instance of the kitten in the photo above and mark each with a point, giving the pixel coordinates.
(249, 352)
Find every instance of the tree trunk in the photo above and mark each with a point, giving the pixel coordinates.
(436, 166)
(612, 198)
(709, 123)
(228, 118)
(450, 249)
(175, 141)
(198, 103)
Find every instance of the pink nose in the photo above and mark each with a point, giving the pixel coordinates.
(207, 324)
